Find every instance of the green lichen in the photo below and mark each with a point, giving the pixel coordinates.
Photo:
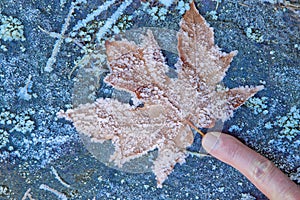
(289, 124)
(254, 34)
(4, 190)
(86, 35)
(258, 105)
(157, 13)
(11, 29)
(3, 138)
(11, 122)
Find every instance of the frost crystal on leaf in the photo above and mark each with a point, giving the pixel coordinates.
(170, 105)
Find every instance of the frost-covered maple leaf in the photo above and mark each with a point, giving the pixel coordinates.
(170, 105)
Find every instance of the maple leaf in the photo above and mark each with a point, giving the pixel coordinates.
(170, 106)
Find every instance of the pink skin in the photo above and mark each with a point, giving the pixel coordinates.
(259, 170)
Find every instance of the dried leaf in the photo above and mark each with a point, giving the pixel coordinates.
(169, 104)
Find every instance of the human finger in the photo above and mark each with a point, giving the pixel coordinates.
(259, 170)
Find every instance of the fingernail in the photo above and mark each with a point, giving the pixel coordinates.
(210, 140)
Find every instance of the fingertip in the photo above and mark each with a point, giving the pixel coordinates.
(259, 170)
(210, 141)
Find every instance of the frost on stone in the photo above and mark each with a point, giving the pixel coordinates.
(163, 108)
(247, 196)
(296, 176)
(24, 92)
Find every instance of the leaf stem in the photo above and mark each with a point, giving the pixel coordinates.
(195, 128)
